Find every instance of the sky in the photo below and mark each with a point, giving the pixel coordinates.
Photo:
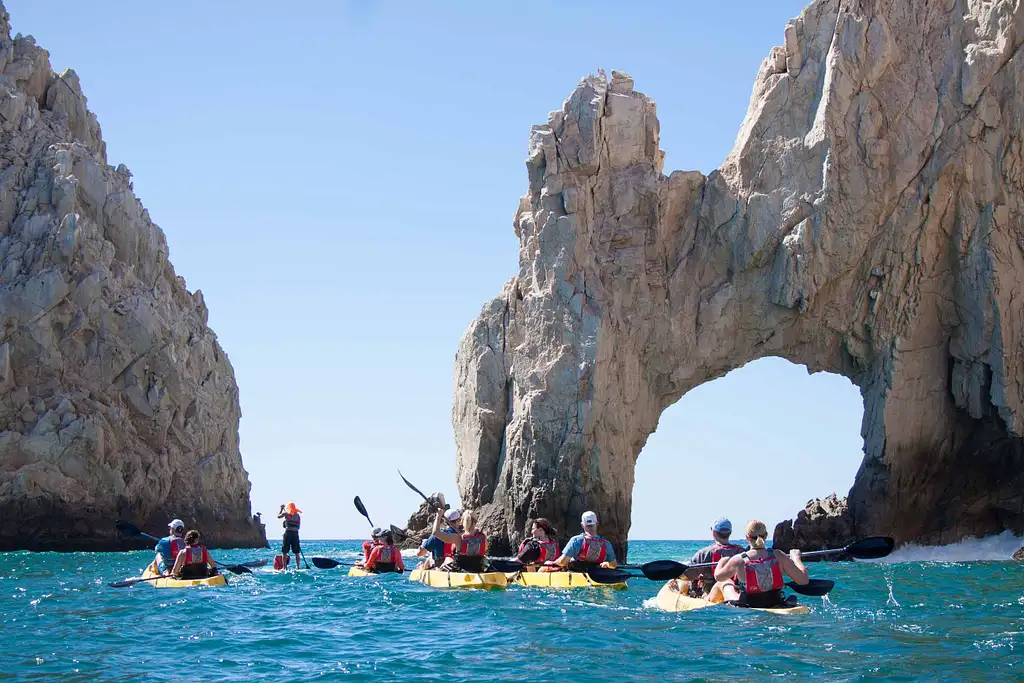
(339, 179)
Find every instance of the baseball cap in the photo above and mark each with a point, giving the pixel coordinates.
(452, 515)
(589, 518)
(722, 526)
(176, 524)
(377, 532)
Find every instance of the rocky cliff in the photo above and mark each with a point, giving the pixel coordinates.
(116, 401)
(867, 223)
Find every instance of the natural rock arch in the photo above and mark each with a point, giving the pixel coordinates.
(866, 223)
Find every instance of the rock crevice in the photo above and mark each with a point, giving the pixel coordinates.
(866, 223)
(116, 399)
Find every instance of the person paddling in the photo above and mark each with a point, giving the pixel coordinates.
(541, 545)
(167, 548)
(194, 561)
(760, 573)
(702, 578)
(385, 557)
(464, 551)
(587, 550)
(368, 546)
(436, 549)
(290, 541)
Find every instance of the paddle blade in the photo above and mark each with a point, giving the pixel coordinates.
(399, 534)
(121, 584)
(254, 563)
(362, 510)
(325, 563)
(409, 484)
(236, 568)
(663, 570)
(127, 528)
(608, 576)
(871, 548)
(496, 564)
(815, 587)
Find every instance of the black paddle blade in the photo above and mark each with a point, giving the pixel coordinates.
(236, 568)
(121, 584)
(399, 534)
(362, 510)
(663, 570)
(254, 563)
(325, 563)
(496, 564)
(871, 548)
(815, 587)
(608, 576)
(409, 484)
(127, 528)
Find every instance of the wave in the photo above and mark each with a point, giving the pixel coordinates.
(996, 548)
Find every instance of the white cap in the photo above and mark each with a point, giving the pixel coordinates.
(175, 523)
(452, 515)
(589, 518)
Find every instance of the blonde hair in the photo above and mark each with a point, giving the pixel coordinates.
(468, 520)
(757, 534)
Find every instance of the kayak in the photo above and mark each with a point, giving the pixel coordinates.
(673, 598)
(359, 571)
(558, 580)
(435, 578)
(218, 580)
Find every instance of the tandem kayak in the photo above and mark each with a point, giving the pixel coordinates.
(558, 580)
(673, 598)
(168, 582)
(359, 571)
(435, 578)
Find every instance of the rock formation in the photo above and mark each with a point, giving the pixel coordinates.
(822, 524)
(866, 223)
(115, 398)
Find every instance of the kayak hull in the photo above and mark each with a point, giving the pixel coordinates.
(359, 571)
(673, 598)
(558, 580)
(218, 580)
(436, 578)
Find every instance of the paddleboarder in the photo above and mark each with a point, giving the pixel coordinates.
(290, 542)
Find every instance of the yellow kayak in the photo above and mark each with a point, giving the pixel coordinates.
(218, 580)
(673, 598)
(435, 578)
(558, 580)
(359, 571)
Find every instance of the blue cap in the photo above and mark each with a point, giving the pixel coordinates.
(722, 526)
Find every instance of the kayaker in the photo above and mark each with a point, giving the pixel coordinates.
(760, 572)
(368, 546)
(194, 561)
(385, 557)
(541, 545)
(587, 550)
(292, 521)
(167, 548)
(703, 577)
(464, 550)
(436, 549)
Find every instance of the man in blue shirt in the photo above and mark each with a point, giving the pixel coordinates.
(434, 545)
(167, 548)
(587, 550)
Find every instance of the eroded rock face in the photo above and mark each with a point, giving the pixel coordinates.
(116, 401)
(824, 523)
(867, 223)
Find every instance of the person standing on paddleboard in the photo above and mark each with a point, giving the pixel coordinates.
(167, 548)
(760, 573)
(587, 550)
(292, 521)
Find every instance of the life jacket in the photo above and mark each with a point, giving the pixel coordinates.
(548, 551)
(291, 522)
(449, 549)
(594, 549)
(762, 576)
(386, 558)
(474, 545)
(280, 562)
(718, 551)
(177, 545)
(196, 554)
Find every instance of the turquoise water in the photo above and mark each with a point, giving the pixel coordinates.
(894, 621)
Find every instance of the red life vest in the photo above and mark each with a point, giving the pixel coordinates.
(196, 554)
(177, 545)
(718, 551)
(292, 522)
(548, 551)
(386, 555)
(594, 549)
(474, 545)
(762, 576)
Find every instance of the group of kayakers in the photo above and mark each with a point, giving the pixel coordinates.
(743, 576)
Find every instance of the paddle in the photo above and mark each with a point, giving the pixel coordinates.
(399, 534)
(362, 511)
(610, 576)
(328, 563)
(409, 484)
(871, 548)
(129, 529)
(498, 564)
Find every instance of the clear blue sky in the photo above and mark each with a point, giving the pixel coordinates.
(339, 179)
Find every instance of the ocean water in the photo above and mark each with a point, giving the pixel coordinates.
(927, 615)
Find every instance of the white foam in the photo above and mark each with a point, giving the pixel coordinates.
(991, 548)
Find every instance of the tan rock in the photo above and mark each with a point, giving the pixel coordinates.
(102, 351)
(866, 223)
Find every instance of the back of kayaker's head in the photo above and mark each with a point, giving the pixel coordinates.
(721, 530)
(192, 537)
(387, 538)
(291, 509)
(589, 522)
(452, 517)
(757, 534)
(376, 534)
(544, 525)
(177, 527)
